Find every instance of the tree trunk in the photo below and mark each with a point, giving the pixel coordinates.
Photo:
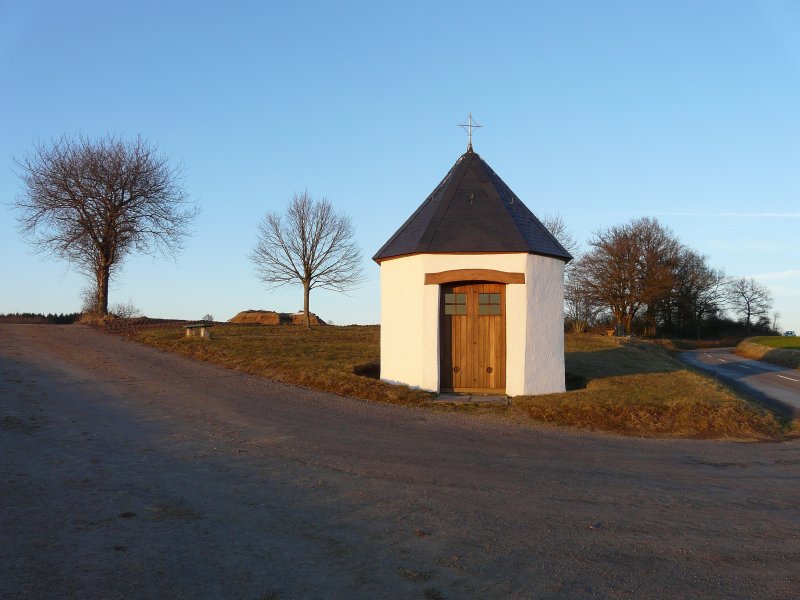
(629, 323)
(306, 293)
(619, 316)
(102, 289)
(650, 322)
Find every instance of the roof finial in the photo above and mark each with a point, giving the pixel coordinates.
(468, 127)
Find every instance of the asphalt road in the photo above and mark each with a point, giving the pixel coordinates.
(771, 384)
(129, 473)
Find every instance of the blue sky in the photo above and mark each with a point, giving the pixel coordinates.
(599, 111)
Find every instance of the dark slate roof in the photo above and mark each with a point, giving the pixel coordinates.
(472, 210)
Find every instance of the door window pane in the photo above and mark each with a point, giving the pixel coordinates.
(488, 304)
(455, 298)
(455, 304)
(455, 309)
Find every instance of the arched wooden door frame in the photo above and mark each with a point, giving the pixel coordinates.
(494, 371)
(472, 337)
(486, 275)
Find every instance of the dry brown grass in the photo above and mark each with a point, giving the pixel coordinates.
(638, 388)
(621, 386)
(686, 344)
(323, 358)
(784, 351)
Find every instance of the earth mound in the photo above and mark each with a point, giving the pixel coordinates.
(270, 317)
(264, 317)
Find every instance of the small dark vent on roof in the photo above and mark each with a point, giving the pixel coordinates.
(472, 210)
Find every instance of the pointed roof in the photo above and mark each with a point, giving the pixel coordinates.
(472, 210)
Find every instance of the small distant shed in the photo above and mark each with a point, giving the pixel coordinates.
(472, 291)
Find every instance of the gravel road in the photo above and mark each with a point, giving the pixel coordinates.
(126, 472)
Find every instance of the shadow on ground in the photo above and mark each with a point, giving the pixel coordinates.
(583, 367)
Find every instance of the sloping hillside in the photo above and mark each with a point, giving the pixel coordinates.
(638, 388)
(784, 351)
(622, 386)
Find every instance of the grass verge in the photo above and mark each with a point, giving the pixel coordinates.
(342, 360)
(636, 387)
(614, 385)
(784, 351)
(689, 344)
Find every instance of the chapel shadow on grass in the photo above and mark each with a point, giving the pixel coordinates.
(575, 382)
(372, 370)
(584, 367)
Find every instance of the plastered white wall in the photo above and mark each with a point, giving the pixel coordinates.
(534, 320)
(402, 317)
(544, 332)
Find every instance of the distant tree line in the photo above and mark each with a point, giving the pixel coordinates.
(639, 277)
(50, 318)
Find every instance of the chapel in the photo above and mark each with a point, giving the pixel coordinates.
(472, 291)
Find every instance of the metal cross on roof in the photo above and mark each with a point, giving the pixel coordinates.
(468, 127)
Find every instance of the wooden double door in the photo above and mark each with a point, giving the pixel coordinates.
(472, 345)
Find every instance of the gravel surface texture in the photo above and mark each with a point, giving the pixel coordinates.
(126, 472)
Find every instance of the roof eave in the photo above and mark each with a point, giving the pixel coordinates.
(566, 259)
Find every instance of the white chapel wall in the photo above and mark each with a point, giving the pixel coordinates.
(402, 310)
(544, 333)
(534, 320)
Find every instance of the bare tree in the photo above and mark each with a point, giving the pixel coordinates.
(580, 305)
(697, 296)
(555, 224)
(658, 262)
(630, 267)
(125, 310)
(93, 202)
(611, 274)
(748, 299)
(580, 309)
(311, 245)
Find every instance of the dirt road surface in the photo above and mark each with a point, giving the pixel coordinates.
(770, 384)
(129, 473)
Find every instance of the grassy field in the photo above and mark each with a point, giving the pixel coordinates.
(784, 351)
(639, 388)
(778, 341)
(689, 344)
(342, 360)
(622, 386)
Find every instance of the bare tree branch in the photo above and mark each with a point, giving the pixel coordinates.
(311, 245)
(630, 267)
(697, 295)
(94, 202)
(748, 299)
